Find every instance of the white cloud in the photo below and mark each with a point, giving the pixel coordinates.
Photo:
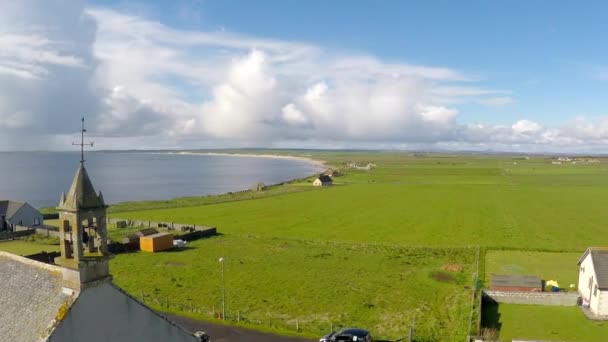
(525, 127)
(46, 68)
(141, 81)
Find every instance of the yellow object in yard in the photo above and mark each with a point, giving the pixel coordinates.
(156, 242)
(552, 283)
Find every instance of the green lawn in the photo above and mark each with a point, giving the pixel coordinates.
(443, 206)
(26, 247)
(551, 323)
(274, 282)
(547, 265)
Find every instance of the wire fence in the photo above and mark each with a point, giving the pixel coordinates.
(277, 322)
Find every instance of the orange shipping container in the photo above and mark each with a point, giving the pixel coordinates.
(156, 242)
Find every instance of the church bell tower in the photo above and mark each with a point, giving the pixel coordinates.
(82, 228)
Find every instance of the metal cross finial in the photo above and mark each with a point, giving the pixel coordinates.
(82, 143)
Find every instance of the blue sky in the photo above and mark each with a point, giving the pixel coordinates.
(533, 73)
(545, 54)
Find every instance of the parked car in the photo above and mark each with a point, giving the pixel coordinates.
(202, 336)
(348, 334)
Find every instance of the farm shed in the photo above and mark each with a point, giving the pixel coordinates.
(593, 279)
(156, 242)
(515, 283)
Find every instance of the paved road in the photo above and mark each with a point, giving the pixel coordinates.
(223, 333)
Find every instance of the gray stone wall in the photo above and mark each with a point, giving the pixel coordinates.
(534, 298)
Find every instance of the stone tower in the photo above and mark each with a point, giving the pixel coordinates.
(82, 230)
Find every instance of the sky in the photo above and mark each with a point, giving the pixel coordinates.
(522, 76)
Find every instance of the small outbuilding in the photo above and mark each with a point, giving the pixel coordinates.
(322, 180)
(593, 280)
(515, 283)
(156, 242)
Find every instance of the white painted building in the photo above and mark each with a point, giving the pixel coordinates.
(322, 180)
(593, 280)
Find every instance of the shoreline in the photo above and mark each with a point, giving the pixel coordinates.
(316, 162)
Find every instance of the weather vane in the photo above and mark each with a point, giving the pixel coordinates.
(82, 143)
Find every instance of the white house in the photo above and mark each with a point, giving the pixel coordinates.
(322, 180)
(593, 279)
(18, 213)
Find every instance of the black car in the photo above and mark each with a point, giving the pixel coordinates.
(348, 334)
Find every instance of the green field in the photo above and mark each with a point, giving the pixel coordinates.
(26, 247)
(434, 201)
(329, 255)
(549, 323)
(273, 283)
(547, 265)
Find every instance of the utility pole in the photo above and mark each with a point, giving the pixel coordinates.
(223, 291)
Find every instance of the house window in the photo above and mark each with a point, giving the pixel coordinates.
(590, 282)
(595, 291)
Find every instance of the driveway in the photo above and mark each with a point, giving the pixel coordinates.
(224, 333)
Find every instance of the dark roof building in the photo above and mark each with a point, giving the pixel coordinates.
(322, 180)
(593, 281)
(18, 213)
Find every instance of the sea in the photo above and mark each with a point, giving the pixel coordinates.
(39, 177)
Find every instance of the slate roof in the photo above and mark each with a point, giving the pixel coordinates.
(31, 295)
(325, 179)
(599, 257)
(9, 208)
(81, 195)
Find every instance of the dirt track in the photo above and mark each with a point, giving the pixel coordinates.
(223, 333)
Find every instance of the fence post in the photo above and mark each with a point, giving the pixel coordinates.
(238, 316)
(297, 325)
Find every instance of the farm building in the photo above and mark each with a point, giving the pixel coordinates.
(322, 180)
(156, 242)
(593, 280)
(515, 283)
(18, 213)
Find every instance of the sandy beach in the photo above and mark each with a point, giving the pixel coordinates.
(316, 162)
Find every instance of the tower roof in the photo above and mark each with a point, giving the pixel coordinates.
(81, 195)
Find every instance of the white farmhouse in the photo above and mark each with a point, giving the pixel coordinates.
(322, 180)
(593, 280)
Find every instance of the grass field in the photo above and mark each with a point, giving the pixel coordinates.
(435, 201)
(547, 265)
(26, 247)
(273, 282)
(548, 323)
(328, 255)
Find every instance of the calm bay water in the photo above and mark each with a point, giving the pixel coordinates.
(39, 177)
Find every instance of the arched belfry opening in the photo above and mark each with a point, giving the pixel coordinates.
(82, 228)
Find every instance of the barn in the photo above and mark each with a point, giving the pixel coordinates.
(593, 280)
(515, 283)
